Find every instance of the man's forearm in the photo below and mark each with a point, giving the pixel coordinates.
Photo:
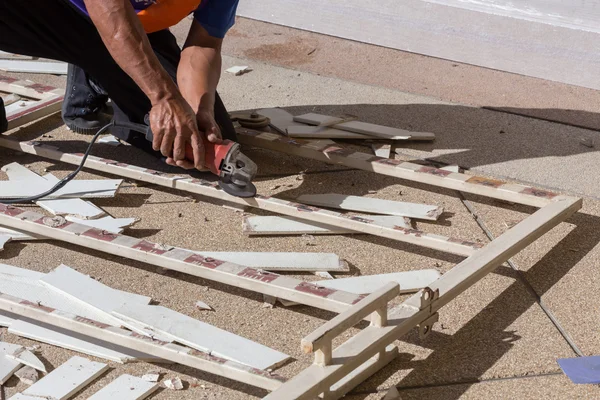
(125, 39)
(198, 75)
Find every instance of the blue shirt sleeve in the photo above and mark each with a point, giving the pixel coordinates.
(216, 16)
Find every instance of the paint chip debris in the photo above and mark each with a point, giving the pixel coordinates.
(173, 384)
(587, 142)
(392, 394)
(238, 70)
(152, 376)
(203, 306)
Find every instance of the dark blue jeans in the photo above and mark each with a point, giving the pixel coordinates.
(55, 29)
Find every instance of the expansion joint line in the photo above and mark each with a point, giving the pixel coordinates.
(522, 278)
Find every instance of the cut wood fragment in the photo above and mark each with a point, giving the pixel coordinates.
(409, 281)
(33, 67)
(173, 384)
(3, 240)
(5, 319)
(392, 394)
(10, 99)
(238, 70)
(126, 387)
(73, 207)
(371, 205)
(281, 261)
(316, 132)
(383, 150)
(22, 272)
(281, 120)
(89, 292)
(18, 172)
(108, 223)
(318, 119)
(22, 355)
(37, 293)
(203, 306)
(27, 375)
(77, 342)
(382, 131)
(68, 379)
(110, 140)
(8, 366)
(151, 376)
(86, 189)
(201, 336)
(16, 235)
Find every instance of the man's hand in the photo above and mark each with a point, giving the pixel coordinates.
(208, 126)
(174, 127)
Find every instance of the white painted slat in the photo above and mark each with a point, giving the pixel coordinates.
(83, 289)
(6, 320)
(315, 132)
(317, 119)
(87, 189)
(108, 223)
(34, 291)
(22, 355)
(33, 67)
(23, 272)
(7, 56)
(18, 172)
(273, 225)
(126, 387)
(3, 240)
(74, 341)
(68, 379)
(16, 235)
(279, 261)
(18, 106)
(375, 206)
(409, 281)
(204, 337)
(21, 396)
(8, 367)
(382, 131)
(75, 207)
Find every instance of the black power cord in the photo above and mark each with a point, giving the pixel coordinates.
(60, 184)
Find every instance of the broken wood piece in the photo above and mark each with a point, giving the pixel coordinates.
(3, 240)
(70, 340)
(371, 205)
(36, 292)
(10, 99)
(108, 223)
(203, 306)
(86, 189)
(7, 56)
(110, 140)
(8, 366)
(364, 127)
(125, 387)
(89, 292)
(320, 120)
(383, 150)
(315, 132)
(281, 261)
(67, 379)
(168, 351)
(18, 172)
(383, 131)
(27, 375)
(322, 337)
(281, 120)
(16, 235)
(409, 281)
(22, 355)
(238, 70)
(173, 384)
(201, 336)
(151, 376)
(33, 67)
(73, 207)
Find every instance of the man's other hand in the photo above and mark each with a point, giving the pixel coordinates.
(208, 126)
(174, 126)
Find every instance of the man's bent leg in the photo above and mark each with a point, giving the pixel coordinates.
(3, 121)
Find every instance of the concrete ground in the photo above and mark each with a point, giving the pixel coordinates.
(494, 341)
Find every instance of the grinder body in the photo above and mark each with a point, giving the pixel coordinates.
(234, 169)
